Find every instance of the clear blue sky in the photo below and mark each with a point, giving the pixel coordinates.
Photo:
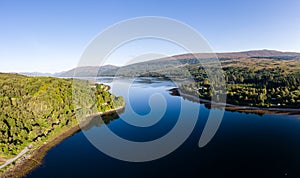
(50, 36)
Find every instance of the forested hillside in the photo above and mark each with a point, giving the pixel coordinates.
(252, 82)
(34, 108)
(180, 66)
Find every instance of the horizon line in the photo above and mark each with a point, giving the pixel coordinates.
(217, 52)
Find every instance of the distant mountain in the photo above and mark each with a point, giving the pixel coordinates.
(87, 71)
(244, 54)
(175, 64)
(36, 74)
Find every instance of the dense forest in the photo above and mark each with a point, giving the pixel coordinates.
(260, 82)
(35, 108)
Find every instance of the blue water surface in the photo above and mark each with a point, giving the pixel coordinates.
(245, 145)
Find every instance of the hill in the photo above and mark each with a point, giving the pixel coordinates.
(176, 66)
(37, 74)
(87, 71)
(179, 65)
(244, 54)
(33, 109)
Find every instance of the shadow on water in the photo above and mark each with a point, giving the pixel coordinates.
(97, 121)
(245, 145)
(231, 108)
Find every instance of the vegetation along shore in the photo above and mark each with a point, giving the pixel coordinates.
(39, 112)
(236, 108)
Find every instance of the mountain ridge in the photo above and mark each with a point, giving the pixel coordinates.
(87, 71)
(92, 71)
(241, 54)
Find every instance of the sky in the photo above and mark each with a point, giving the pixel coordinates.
(51, 35)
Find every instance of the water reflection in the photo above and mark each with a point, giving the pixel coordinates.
(97, 121)
(245, 144)
(233, 108)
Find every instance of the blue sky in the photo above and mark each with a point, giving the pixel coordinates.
(50, 36)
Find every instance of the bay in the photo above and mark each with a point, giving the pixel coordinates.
(245, 145)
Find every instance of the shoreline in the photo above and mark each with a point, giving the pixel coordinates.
(246, 109)
(34, 158)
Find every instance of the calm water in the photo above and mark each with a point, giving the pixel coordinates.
(246, 145)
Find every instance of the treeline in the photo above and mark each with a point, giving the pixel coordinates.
(267, 87)
(34, 108)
